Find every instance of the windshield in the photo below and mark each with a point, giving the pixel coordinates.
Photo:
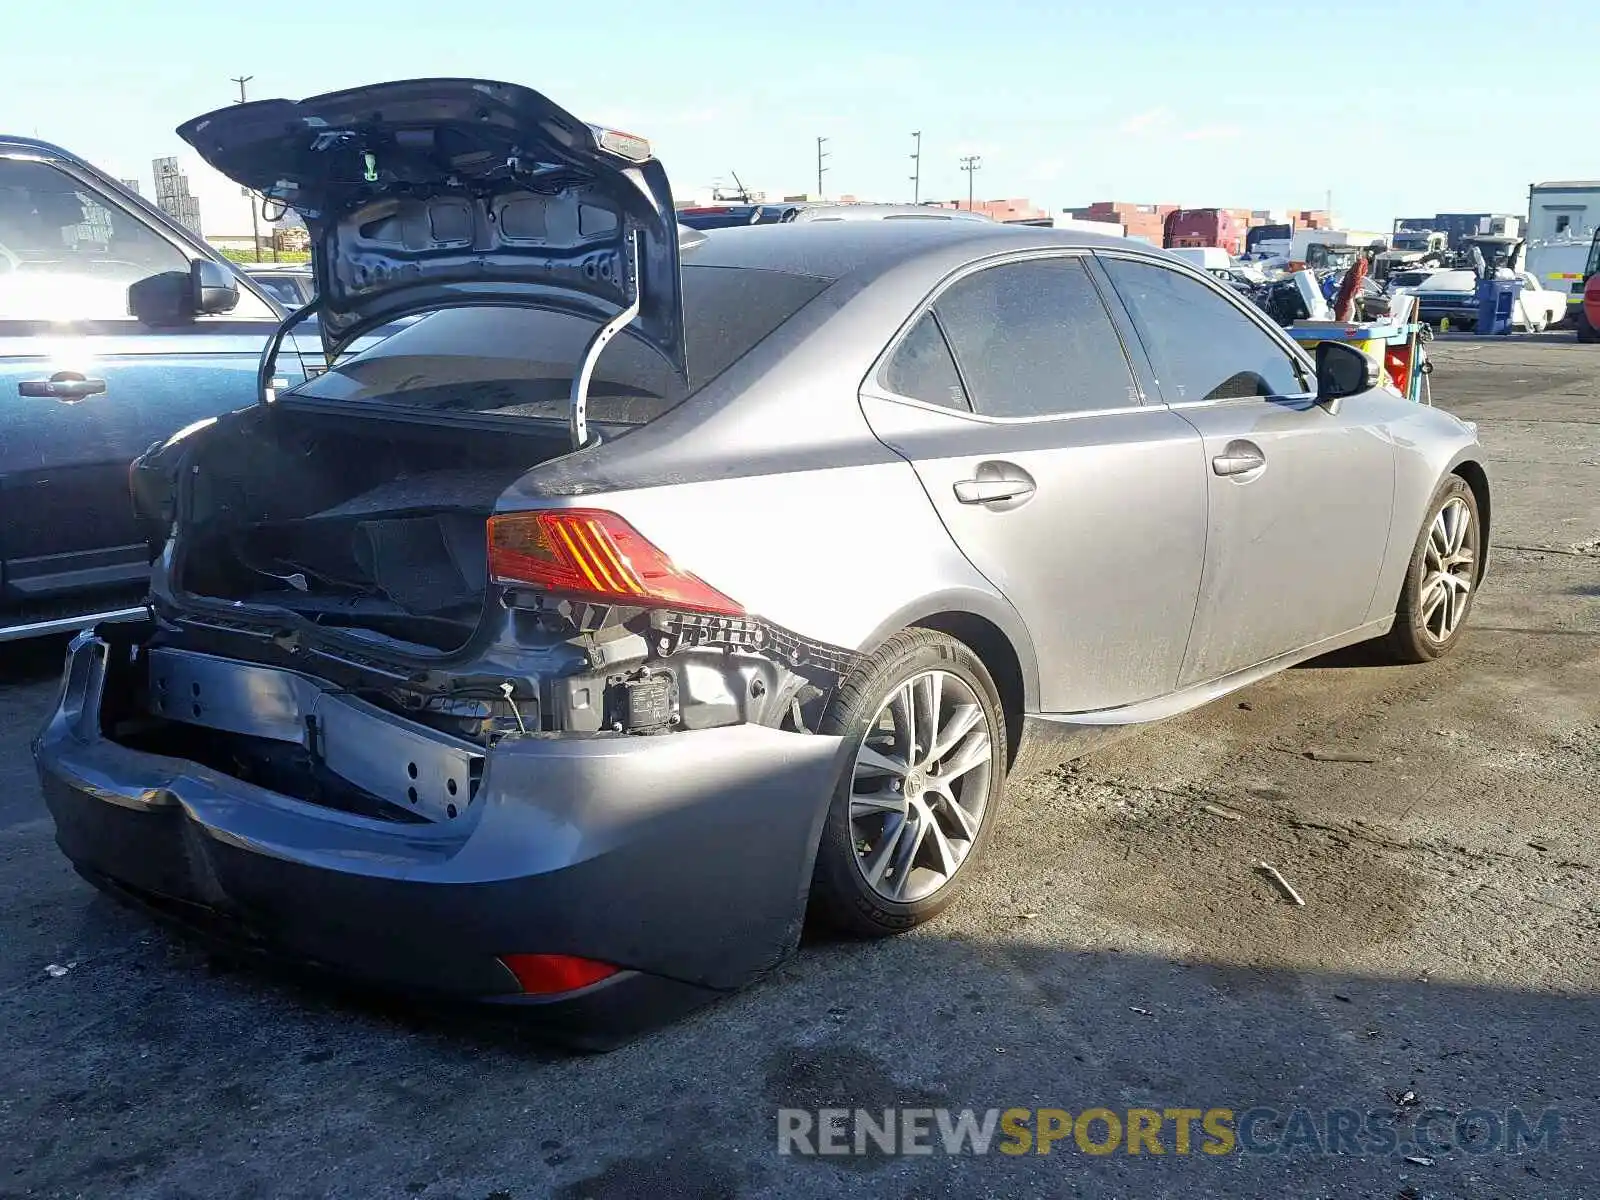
(521, 362)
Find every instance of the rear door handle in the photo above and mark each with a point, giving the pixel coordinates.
(990, 491)
(1239, 458)
(63, 385)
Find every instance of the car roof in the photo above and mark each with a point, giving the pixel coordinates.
(833, 250)
(9, 141)
(850, 211)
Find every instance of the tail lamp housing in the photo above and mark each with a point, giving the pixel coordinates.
(553, 974)
(591, 554)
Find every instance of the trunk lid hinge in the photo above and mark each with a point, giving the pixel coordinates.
(578, 412)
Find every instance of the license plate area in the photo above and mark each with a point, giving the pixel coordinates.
(419, 769)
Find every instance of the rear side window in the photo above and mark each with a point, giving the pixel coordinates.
(922, 368)
(1202, 347)
(520, 362)
(1033, 339)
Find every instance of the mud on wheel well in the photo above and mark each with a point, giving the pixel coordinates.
(999, 659)
(1478, 481)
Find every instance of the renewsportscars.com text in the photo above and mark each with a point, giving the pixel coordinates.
(1159, 1132)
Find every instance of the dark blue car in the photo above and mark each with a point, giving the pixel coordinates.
(117, 328)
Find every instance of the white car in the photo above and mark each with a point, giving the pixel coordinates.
(1539, 307)
(1453, 294)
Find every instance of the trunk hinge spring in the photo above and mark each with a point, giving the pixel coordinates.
(578, 413)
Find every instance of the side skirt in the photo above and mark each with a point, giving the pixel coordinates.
(1050, 739)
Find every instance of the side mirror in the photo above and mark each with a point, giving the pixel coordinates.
(175, 298)
(212, 287)
(162, 301)
(1343, 371)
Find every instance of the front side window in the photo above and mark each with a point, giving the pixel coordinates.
(1034, 339)
(1202, 347)
(65, 252)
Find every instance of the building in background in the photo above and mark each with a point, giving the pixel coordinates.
(173, 196)
(295, 238)
(1142, 221)
(132, 185)
(1019, 209)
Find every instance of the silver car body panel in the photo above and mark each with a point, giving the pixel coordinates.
(1298, 555)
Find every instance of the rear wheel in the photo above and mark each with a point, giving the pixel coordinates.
(912, 816)
(1442, 579)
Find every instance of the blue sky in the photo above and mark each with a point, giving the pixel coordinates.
(1452, 106)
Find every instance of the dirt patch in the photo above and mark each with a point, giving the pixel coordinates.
(1174, 867)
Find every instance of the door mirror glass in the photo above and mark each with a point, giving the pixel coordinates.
(213, 287)
(178, 297)
(1343, 371)
(162, 301)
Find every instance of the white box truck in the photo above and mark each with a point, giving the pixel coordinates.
(1562, 218)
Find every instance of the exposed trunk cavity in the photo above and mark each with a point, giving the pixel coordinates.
(353, 521)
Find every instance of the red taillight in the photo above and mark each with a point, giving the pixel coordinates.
(547, 974)
(586, 552)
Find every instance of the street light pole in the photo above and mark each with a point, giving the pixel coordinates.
(971, 164)
(916, 169)
(255, 219)
(821, 154)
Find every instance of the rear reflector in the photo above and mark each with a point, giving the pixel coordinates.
(585, 552)
(549, 974)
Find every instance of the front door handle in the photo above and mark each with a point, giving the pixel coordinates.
(63, 385)
(1239, 458)
(992, 491)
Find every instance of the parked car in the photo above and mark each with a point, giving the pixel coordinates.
(117, 327)
(292, 285)
(1453, 294)
(512, 661)
(732, 216)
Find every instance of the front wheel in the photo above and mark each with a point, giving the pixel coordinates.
(912, 815)
(1442, 578)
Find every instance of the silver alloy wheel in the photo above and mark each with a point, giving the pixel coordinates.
(920, 787)
(1449, 567)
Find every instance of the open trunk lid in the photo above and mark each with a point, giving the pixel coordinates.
(436, 193)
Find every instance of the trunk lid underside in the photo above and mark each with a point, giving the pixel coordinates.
(434, 193)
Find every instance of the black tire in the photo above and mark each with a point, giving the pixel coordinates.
(1586, 331)
(841, 895)
(1413, 640)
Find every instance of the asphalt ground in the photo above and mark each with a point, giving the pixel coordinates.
(1121, 951)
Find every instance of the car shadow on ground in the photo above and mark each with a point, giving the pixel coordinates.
(37, 660)
(233, 1080)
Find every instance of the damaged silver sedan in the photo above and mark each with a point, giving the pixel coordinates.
(571, 644)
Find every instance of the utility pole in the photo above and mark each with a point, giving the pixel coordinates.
(255, 219)
(971, 164)
(916, 169)
(821, 154)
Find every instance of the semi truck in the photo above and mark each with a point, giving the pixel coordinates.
(1185, 227)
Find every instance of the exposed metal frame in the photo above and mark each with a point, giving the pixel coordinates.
(578, 410)
(17, 633)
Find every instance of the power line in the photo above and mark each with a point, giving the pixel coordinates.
(821, 154)
(971, 164)
(916, 168)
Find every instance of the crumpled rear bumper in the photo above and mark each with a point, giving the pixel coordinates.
(683, 859)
